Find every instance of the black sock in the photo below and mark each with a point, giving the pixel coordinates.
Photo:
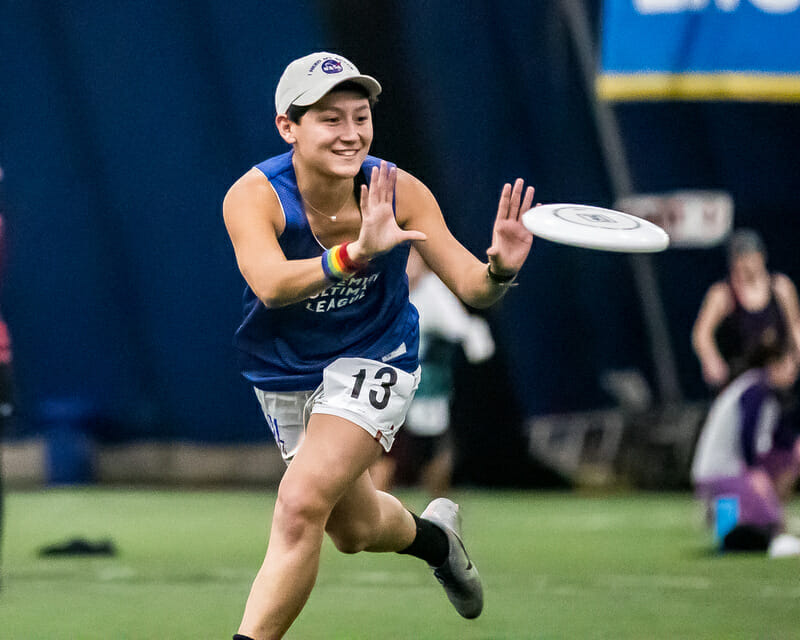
(239, 636)
(430, 543)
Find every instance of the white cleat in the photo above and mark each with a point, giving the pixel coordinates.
(457, 575)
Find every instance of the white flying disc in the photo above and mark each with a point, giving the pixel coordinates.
(595, 228)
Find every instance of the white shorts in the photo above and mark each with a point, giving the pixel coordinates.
(371, 394)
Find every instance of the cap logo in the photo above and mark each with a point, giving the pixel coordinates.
(332, 66)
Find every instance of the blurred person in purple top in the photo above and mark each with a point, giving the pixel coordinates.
(748, 450)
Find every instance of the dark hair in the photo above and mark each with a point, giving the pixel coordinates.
(744, 241)
(295, 112)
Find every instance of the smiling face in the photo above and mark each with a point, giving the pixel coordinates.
(333, 136)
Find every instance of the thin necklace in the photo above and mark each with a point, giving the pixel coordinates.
(325, 215)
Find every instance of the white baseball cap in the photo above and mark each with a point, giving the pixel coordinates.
(309, 78)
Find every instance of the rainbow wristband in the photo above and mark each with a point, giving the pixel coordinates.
(337, 264)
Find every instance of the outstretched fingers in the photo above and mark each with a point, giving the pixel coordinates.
(504, 205)
(389, 182)
(527, 202)
(379, 229)
(512, 201)
(379, 196)
(516, 197)
(364, 200)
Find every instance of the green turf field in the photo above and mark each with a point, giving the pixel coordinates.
(555, 565)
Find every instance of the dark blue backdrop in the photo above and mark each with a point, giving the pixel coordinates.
(122, 125)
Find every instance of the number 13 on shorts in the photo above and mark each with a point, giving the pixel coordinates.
(374, 395)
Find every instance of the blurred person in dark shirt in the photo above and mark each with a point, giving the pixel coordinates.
(750, 312)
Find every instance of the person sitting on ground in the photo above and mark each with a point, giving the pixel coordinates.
(747, 452)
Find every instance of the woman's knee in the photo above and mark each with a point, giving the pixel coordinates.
(297, 512)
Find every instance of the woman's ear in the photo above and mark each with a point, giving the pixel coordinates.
(285, 128)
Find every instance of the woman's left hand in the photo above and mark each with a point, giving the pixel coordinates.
(511, 241)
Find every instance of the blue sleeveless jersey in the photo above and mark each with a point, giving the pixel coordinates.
(367, 316)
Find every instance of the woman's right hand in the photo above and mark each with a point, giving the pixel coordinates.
(379, 229)
(715, 371)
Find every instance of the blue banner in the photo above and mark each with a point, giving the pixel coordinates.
(700, 50)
